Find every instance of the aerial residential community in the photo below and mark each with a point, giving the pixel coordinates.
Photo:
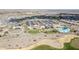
(39, 29)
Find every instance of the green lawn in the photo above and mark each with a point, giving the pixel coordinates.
(67, 46)
(44, 47)
(75, 43)
(33, 31)
(50, 31)
(47, 31)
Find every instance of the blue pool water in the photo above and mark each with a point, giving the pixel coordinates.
(64, 29)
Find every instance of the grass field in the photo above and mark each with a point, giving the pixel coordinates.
(50, 31)
(44, 47)
(67, 46)
(33, 31)
(47, 31)
(75, 43)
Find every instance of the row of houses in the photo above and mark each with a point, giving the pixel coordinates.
(39, 23)
(15, 20)
(69, 16)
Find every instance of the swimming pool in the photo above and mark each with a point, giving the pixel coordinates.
(64, 29)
